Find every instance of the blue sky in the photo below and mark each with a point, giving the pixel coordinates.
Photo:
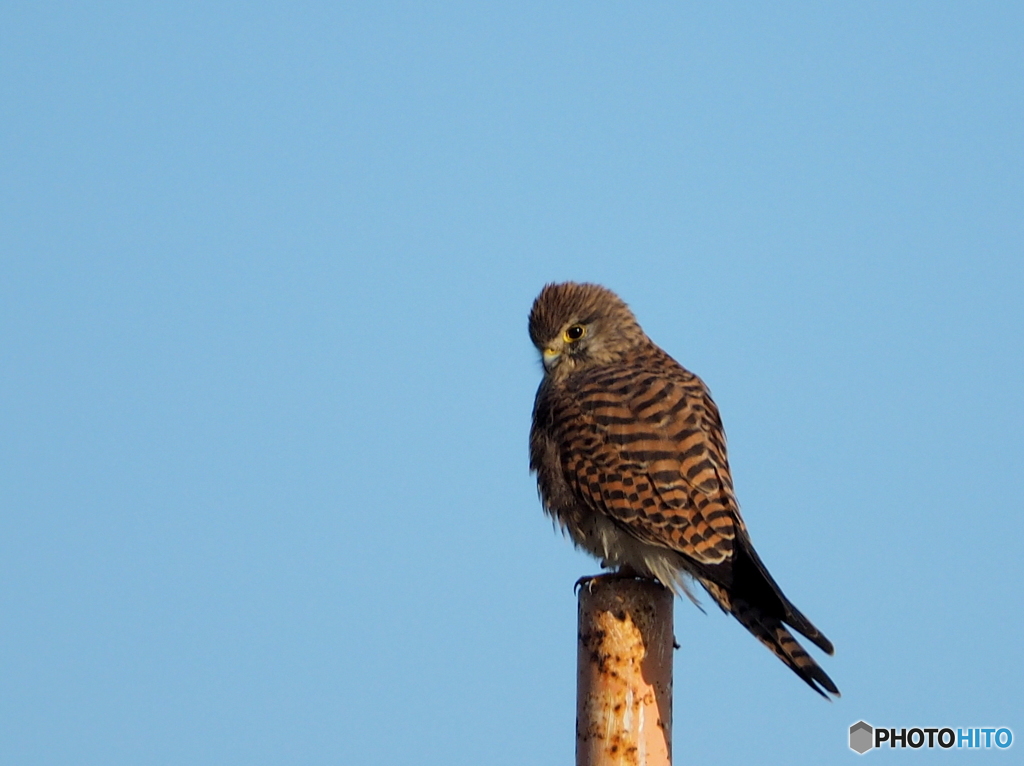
(266, 382)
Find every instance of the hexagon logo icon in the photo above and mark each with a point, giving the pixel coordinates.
(861, 737)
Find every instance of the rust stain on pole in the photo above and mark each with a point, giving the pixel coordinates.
(624, 673)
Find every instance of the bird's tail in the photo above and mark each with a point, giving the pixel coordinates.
(771, 632)
(760, 606)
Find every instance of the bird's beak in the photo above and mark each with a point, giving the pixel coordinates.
(550, 357)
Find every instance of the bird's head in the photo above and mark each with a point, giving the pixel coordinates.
(575, 326)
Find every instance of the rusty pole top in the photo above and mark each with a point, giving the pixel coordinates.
(624, 673)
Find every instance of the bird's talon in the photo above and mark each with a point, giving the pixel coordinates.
(588, 579)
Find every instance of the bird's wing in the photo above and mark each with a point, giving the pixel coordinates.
(650, 453)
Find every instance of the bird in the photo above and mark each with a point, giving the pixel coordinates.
(630, 458)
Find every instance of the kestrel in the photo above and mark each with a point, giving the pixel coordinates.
(630, 457)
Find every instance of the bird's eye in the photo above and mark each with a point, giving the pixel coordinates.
(575, 332)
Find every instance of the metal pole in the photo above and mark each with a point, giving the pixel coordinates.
(624, 673)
